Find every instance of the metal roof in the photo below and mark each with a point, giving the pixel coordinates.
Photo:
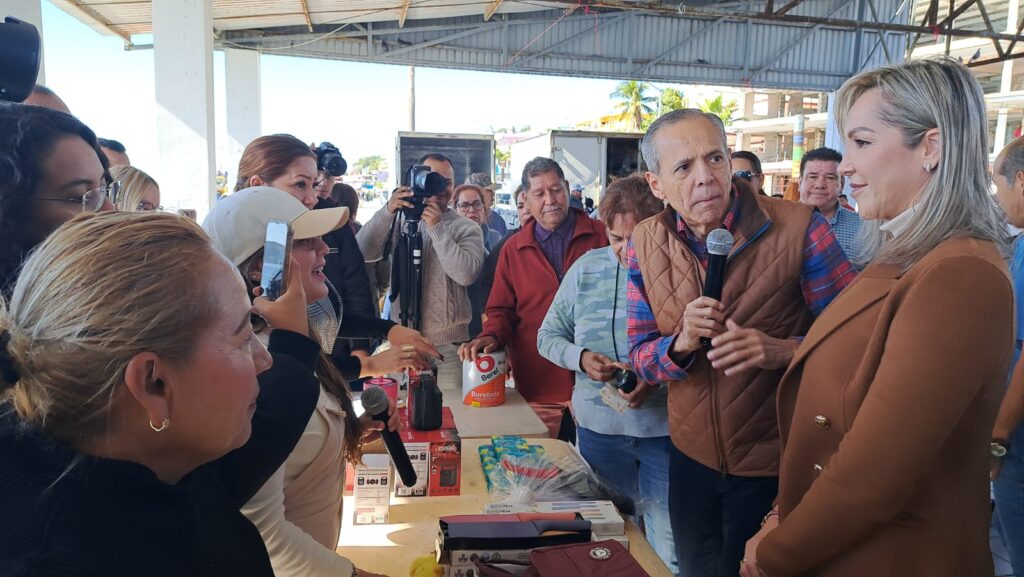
(795, 44)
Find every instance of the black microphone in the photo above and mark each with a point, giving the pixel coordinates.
(375, 401)
(719, 243)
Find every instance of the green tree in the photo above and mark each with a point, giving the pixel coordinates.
(369, 164)
(672, 99)
(634, 103)
(720, 108)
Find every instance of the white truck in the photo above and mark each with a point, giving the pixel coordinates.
(469, 153)
(591, 159)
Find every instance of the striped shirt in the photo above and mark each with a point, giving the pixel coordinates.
(825, 273)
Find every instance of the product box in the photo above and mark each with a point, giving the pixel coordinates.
(442, 471)
(446, 467)
(603, 516)
(372, 490)
(419, 456)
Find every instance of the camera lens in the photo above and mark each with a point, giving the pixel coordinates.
(334, 164)
(625, 380)
(429, 184)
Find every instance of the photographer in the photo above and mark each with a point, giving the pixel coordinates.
(453, 255)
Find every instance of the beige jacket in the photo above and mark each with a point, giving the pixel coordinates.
(298, 511)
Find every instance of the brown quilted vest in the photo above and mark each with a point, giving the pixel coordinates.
(729, 423)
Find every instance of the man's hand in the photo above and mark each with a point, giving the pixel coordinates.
(703, 317)
(432, 211)
(469, 351)
(397, 199)
(597, 366)
(739, 349)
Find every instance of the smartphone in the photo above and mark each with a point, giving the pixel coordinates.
(187, 213)
(277, 251)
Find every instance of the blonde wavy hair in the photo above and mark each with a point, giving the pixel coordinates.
(919, 96)
(133, 184)
(100, 290)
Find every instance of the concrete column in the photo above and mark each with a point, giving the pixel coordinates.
(30, 11)
(741, 140)
(242, 83)
(748, 104)
(833, 139)
(798, 144)
(774, 104)
(183, 61)
(1005, 84)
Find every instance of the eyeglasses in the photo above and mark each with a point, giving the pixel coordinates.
(148, 207)
(92, 201)
(476, 205)
(746, 175)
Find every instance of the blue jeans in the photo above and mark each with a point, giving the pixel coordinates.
(636, 467)
(1008, 489)
(714, 515)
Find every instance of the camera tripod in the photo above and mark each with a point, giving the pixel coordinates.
(407, 274)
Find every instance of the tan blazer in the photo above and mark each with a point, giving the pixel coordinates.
(885, 416)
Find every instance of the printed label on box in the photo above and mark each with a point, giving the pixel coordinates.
(419, 456)
(372, 490)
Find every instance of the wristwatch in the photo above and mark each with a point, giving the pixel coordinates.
(999, 448)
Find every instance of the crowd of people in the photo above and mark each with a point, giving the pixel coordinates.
(841, 408)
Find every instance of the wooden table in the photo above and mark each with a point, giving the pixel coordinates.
(390, 549)
(515, 417)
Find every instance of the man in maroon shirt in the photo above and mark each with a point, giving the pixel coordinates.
(530, 267)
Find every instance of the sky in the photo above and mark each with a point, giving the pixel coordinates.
(357, 106)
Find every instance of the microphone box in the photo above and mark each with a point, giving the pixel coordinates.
(440, 473)
(419, 456)
(371, 490)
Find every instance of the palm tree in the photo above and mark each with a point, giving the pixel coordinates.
(672, 99)
(720, 108)
(634, 104)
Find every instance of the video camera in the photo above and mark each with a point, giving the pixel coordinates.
(424, 184)
(19, 59)
(330, 160)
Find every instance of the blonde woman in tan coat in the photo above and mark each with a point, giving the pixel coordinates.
(886, 410)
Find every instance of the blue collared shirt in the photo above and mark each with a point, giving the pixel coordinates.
(846, 226)
(555, 243)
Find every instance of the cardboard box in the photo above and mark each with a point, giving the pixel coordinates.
(603, 516)
(372, 490)
(443, 469)
(419, 456)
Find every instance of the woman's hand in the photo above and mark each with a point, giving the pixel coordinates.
(372, 427)
(748, 566)
(288, 312)
(401, 337)
(392, 360)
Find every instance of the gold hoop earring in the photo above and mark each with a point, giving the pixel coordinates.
(163, 425)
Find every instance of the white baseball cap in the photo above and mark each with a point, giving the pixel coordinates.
(237, 225)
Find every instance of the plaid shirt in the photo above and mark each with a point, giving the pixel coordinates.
(826, 272)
